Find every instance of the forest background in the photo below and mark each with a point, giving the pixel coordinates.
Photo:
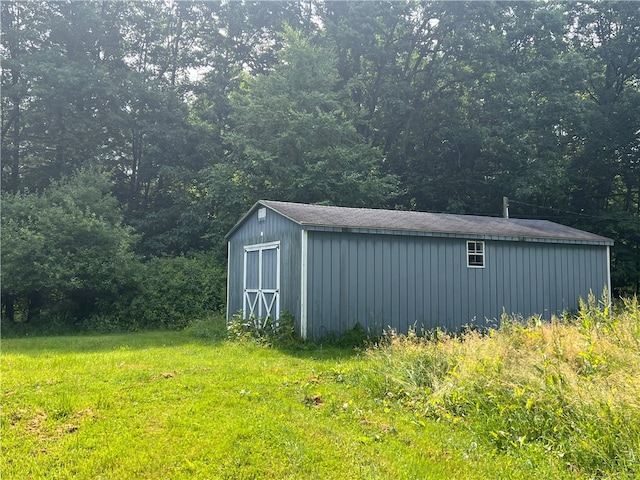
(135, 134)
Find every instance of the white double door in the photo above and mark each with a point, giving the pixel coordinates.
(262, 283)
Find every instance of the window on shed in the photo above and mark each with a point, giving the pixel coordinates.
(475, 254)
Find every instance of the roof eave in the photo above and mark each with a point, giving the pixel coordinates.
(468, 235)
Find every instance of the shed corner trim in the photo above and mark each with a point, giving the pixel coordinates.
(303, 284)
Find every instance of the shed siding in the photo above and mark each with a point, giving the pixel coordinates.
(387, 281)
(273, 228)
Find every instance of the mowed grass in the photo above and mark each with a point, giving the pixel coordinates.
(163, 405)
(172, 405)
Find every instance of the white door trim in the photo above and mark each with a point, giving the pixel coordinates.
(259, 303)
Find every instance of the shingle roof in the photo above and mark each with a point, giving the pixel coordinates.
(430, 223)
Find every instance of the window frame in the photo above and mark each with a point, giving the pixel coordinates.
(476, 257)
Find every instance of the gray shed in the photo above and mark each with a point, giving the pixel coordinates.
(332, 267)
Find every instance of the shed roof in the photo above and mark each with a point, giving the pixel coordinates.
(367, 220)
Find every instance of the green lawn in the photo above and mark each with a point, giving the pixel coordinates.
(169, 406)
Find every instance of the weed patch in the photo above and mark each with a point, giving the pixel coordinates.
(265, 331)
(565, 389)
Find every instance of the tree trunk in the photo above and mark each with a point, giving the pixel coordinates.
(14, 183)
(34, 305)
(9, 309)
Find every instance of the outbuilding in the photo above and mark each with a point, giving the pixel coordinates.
(332, 267)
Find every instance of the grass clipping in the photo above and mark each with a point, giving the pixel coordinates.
(567, 388)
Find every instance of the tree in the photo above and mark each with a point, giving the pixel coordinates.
(605, 169)
(197, 109)
(65, 251)
(61, 61)
(292, 137)
(102, 84)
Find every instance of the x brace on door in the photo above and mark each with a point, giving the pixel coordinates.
(261, 300)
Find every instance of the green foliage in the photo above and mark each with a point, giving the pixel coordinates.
(173, 292)
(65, 251)
(200, 109)
(213, 327)
(354, 337)
(293, 139)
(280, 333)
(565, 390)
(68, 264)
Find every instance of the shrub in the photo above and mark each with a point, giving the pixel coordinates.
(355, 337)
(65, 253)
(173, 292)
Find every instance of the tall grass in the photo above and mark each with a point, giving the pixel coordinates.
(569, 389)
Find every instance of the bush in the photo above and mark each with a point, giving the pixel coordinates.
(68, 265)
(65, 252)
(174, 292)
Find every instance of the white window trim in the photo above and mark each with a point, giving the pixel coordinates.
(469, 253)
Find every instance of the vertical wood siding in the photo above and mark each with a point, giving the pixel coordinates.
(402, 282)
(273, 228)
(385, 281)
